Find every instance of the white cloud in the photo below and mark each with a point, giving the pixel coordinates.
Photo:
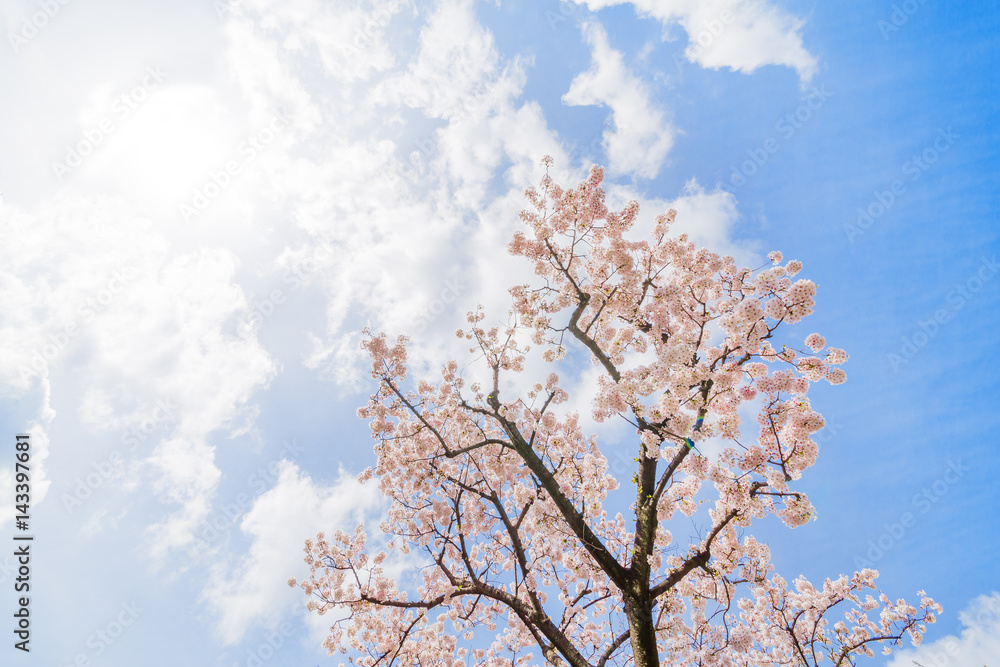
(295, 509)
(380, 215)
(742, 35)
(408, 173)
(107, 301)
(266, 82)
(458, 76)
(640, 137)
(708, 219)
(976, 645)
(455, 72)
(173, 137)
(165, 342)
(427, 183)
(350, 36)
(186, 476)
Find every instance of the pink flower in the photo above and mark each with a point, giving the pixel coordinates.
(502, 498)
(836, 376)
(815, 342)
(835, 355)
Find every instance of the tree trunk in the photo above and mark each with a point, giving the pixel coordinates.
(641, 633)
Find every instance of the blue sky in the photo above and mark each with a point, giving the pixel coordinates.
(260, 157)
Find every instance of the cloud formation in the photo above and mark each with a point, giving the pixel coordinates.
(976, 645)
(639, 137)
(254, 590)
(742, 35)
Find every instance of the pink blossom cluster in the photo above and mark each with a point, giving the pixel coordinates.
(502, 499)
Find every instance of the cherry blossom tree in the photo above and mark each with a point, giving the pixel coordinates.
(503, 499)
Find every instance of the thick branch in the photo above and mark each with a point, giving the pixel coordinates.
(699, 559)
(574, 519)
